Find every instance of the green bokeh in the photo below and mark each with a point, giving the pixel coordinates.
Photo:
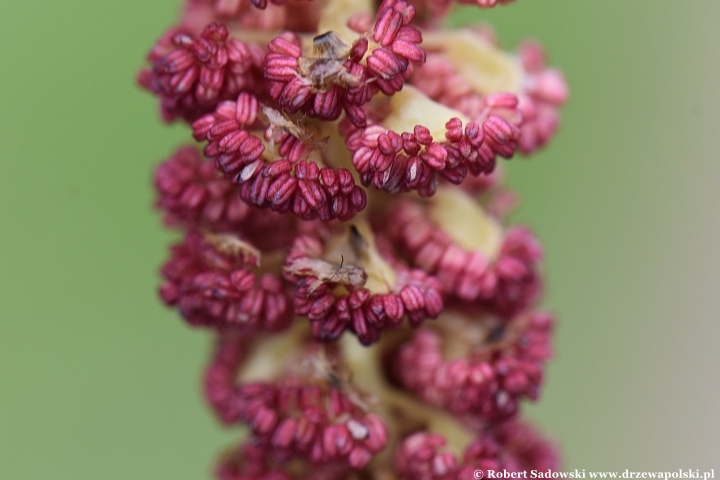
(97, 380)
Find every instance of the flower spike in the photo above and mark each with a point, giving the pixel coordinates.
(344, 190)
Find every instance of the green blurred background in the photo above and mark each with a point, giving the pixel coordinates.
(98, 380)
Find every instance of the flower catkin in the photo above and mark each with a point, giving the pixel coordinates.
(345, 236)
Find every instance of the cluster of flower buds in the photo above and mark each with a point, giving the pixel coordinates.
(345, 238)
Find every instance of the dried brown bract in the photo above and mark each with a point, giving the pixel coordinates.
(326, 68)
(327, 272)
(230, 244)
